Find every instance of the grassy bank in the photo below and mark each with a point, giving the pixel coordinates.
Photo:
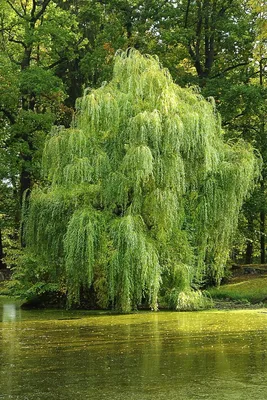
(246, 289)
(4, 289)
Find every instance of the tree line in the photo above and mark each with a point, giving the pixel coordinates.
(51, 51)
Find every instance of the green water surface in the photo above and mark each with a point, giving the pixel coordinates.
(55, 354)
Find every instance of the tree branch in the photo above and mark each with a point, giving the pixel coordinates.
(224, 8)
(42, 11)
(61, 60)
(33, 9)
(8, 114)
(229, 69)
(14, 9)
(17, 41)
(235, 117)
(187, 13)
(23, 6)
(12, 59)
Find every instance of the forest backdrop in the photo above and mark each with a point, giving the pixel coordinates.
(52, 50)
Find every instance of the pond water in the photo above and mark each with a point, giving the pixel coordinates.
(55, 354)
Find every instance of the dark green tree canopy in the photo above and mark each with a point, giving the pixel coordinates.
(141, 192)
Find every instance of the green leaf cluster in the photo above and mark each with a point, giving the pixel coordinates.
(142, 183)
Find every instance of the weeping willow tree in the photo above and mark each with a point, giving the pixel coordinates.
(142, 193)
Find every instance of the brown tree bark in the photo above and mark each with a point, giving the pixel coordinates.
(2, 263)
(249, 247)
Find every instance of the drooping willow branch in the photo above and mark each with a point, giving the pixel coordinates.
(142, 187)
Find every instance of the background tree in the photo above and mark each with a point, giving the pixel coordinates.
(260, 59)
(35, 38)
(218, 46)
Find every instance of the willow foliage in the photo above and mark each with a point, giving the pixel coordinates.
(142, 190)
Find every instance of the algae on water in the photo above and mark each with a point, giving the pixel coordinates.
(142, 193)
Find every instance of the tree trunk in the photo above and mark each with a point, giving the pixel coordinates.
(249, 252)
(262, 213)
(249, 248)
(2, 264)
(25, 179)
(262, 227)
